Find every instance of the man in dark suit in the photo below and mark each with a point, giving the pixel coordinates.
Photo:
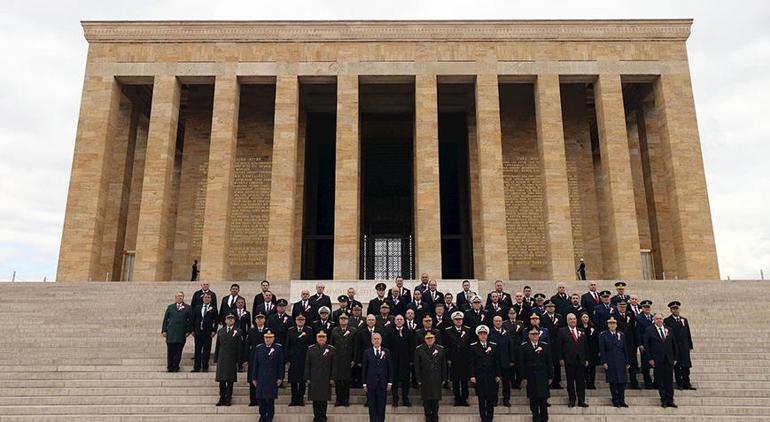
(177, 325)
(464, 297)
(363, 341)
(267, 368)
(574, 307)
(430, 367)
(377, 376)
(377, 301)
(612, 350)
(228, 302)
(303, 306)
(197, 297)
(590, 299)
(495, 307)
(572, 348)
(503, 297)
(400, 342)
(681, 329)
(205, 325)
(432, 295)
(267, 307)
(485, 372)
(561, 299)
(537, 370)
(505, 354)
(403, 292)
(423, 286)
(662, 347)
(298, 339)
(352, 299)
(260, 297)
(319, 299)
(396, 302)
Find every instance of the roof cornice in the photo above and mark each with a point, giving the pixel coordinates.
(385, 31)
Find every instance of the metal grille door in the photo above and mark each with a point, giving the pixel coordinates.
(387, 258)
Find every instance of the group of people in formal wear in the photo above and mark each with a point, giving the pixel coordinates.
(427, 340)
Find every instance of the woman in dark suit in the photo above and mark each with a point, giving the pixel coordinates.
(592, 337)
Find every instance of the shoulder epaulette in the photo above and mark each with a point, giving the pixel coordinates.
(475, 342)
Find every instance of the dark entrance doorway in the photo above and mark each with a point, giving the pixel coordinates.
(386, 158)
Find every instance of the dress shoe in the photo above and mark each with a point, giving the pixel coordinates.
(591, 387)
(672, 404)
(571, 405)
(649, 387)
(292, 404)
(623, 404)
(664, 405)
(220, 403)
(582, 404)
(195, 370)
(556, 386)
(507, 403)
(252, 404)
(407, 403)
(690, 387)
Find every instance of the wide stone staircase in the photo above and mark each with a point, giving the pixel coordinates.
(93, 351)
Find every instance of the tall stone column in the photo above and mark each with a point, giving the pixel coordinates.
(490, 180)
(622, 257)
(154, 214)
(283, 183)
(693, 234)
(427, 200)
(347, 187)
(220, 179)
(80, 251)
(550, 142)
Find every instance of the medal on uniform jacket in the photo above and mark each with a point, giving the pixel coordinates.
(435, 352)
(326, 352)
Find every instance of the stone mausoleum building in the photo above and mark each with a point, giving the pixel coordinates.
(361, 150)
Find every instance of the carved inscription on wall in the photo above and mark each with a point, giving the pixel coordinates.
(524, 205)
(250, 212)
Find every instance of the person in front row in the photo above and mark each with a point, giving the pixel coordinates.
(377, 376)
(485, 372)
(612, 350)
(572, 348)
(661, 344)
(205, 323)
(319, 372)
(267, 370)
(177, 325)
(430, 367)
(229, 343)
(537, 373)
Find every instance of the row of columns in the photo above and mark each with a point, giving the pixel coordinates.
(621, 238)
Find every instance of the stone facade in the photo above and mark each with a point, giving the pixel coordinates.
(582, 141)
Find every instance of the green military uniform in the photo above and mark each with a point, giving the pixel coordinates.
(229, 343)
(344, 354)
(177, 324)
(319, 367)
(431, 370)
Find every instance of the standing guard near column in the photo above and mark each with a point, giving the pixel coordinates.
(430, 367)
(485, 372)
(537, 369)
(681, 329)
(319, 370)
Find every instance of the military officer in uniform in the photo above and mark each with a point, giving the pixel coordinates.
(377, 301)
(643, 322)
(537, 372)
(280, 321)
(680, 326)
(177, 325)
(342, 338)
(485, 372)
(298, 339)
(620, 286)
(323, 323)
(430, 367)
(661, 345)
(267, 369)
(319, 371)
(254, 338)
(343, 309)
(515, 328)
(229, 340)
(612, 351)
(602, 311)
(627, 325)
(457, 340)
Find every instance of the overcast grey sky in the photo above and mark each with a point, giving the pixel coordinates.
(44, 56)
